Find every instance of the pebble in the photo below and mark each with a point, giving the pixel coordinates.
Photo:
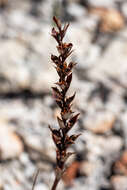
(103, 122)
(119, 182)
(11, 145)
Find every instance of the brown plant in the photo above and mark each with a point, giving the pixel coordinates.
(67, 117)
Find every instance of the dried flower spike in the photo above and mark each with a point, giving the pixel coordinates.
(67, 117)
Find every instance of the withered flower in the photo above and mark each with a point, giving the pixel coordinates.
(67, 117)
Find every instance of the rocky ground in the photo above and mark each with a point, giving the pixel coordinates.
(98, 32)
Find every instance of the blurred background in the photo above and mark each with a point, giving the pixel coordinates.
(98, 31)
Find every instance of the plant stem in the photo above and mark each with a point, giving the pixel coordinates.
(35, 179)
(67, 118)
(56, 181)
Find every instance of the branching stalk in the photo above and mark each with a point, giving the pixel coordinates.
(67, 117)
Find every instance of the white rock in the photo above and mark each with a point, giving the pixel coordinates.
(119, 182)
(10, 144)
(76, 10)
(41, 186)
